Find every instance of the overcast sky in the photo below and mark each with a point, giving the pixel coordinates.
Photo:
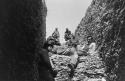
(65, 14)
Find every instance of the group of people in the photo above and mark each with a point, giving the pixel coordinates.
(54, 38)
(89, 49)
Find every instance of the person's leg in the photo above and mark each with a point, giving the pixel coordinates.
(45, 74)
(71, 66)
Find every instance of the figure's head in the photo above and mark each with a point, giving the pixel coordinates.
(56, 29)
(50, 47)
(89, 39)
(47, 46)
(66, 28)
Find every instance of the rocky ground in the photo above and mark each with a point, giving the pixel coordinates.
(89, 68)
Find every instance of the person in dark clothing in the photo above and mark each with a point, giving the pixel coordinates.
(56, 34)
(67, 35)
(45, 66)
(56, 37)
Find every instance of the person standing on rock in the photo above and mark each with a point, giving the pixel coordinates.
(56, 36)
(67, 34)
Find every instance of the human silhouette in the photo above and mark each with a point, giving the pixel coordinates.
(45, 65)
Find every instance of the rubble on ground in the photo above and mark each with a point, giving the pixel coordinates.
(89, 68)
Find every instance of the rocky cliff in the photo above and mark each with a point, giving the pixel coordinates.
(105, 21)
(22, 29)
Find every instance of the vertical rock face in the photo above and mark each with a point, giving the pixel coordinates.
(105, 21)
(22, 32)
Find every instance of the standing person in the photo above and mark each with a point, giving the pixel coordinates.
(56, 36)
(74, 59)
(45, 66)
(67, 34)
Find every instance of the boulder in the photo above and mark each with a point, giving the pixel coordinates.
(61, 65)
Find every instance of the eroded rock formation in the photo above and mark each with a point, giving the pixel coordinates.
(22, 33)
(105, 21)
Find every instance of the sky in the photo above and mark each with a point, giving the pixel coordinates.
(64, 14)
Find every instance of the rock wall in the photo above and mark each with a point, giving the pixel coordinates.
(22, 32)
(105, 21)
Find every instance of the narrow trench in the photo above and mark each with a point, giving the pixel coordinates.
(22, 39)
